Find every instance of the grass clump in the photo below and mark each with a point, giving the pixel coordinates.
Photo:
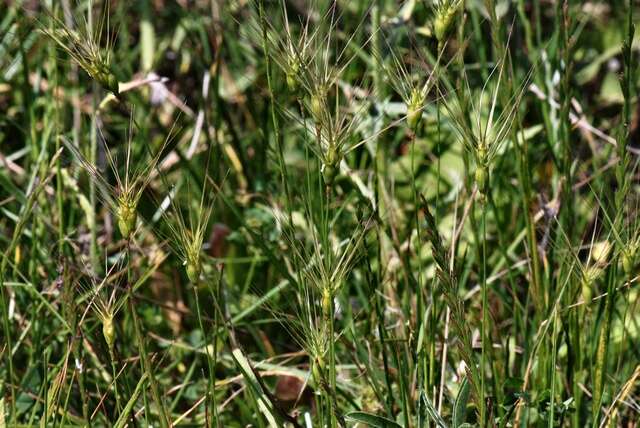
(327, 213)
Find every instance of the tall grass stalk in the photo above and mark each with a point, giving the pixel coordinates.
(140, 339)
(621, 172)
(37, 183)
(274, 116)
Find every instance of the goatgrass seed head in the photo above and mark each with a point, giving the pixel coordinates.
(629, 256)
(122, 198)
(191, 242)
(83, 46)
(481, 154)
(109, 81)
(481, 123)
(193, 266)
(105, 304)
(108, 331)
(481, 173)
(288, 47)
(187, 234)
(333, 132)
(329, 173)
(194, 269)
(628, 261)
(413, 87)
(444, 15)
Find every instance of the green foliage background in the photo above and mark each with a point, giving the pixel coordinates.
(404, 291)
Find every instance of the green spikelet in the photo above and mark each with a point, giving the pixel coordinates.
(331, 165)
(127, 215)
(443, 20)
(109, 81)
(629, 257)
(100, 70)
(83, 46)
(414, 109)
(108, 331)
(317, 105)
(292, 75)
(193, 266)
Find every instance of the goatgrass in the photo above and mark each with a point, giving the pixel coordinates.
(319, 214)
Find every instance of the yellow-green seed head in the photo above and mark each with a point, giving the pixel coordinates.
(108, 331)
(600, 252)
(443, 20)
(333, 155)
(481, 154)
(193, 268)
(127, 216)
(414, 109)
(317, 104)
(105, 77)
(292, 75)
(112, 84)
(329, 173)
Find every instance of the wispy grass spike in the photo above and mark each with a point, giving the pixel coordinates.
(83, 46)
(123, 197)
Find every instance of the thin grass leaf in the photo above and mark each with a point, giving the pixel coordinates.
(371, 420)
(431, 411)
(460, 405)
(128, 408)
(264, 403)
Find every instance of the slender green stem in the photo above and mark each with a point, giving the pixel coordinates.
(332, 367)
(144, 356)
(93, 152)
(274, 116)
(114, 373)
(7, 338)
(485, 320)
(210, 360)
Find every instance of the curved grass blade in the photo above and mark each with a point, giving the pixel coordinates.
(372, 420)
